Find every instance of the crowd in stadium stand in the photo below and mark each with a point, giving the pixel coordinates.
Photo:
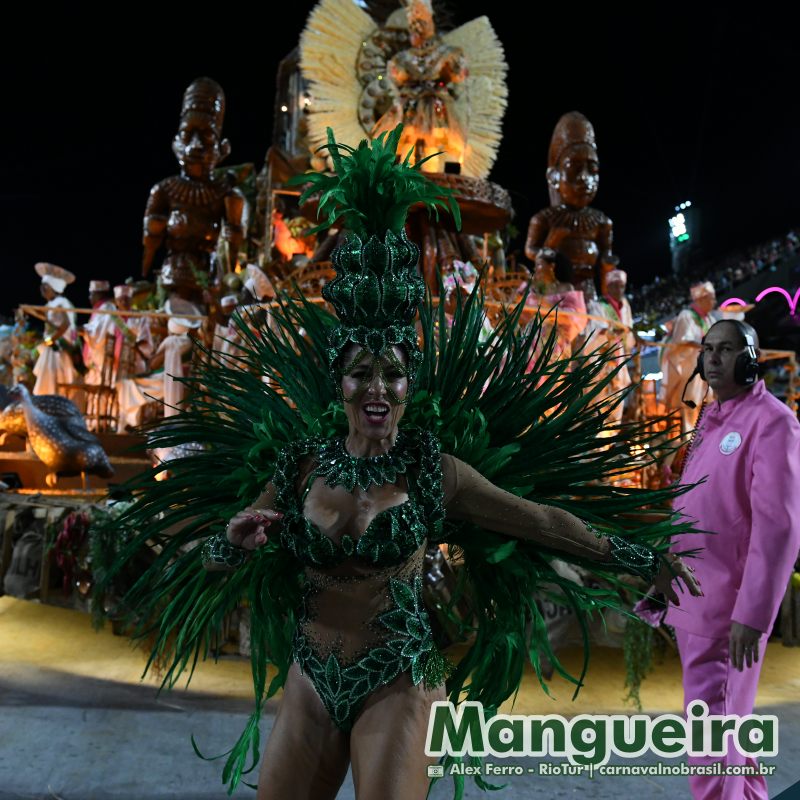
(664, 297)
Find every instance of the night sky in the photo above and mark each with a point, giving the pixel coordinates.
(686, 104)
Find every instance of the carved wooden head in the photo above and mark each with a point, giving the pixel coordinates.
(573, 168)
(199, 145)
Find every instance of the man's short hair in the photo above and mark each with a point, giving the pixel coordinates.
(738, 325)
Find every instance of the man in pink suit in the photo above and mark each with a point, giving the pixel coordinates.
(747, 448)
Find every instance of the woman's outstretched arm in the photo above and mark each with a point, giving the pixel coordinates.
(471, 497)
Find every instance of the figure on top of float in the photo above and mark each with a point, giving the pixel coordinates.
(365, 77)
(54, 366)
(570, 225)
(423, 83)
(189, 212)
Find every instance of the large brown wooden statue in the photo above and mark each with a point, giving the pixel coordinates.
(570, 225)
(188, 212)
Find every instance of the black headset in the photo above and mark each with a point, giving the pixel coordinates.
(745, 372)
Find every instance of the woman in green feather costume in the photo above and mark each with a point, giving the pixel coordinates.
(343, 504)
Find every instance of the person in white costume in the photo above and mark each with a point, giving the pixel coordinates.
(54, 367)
(614, 307)
(134, 339)
(679, 357)
(133, 349)
(168, 362)
(96, 331)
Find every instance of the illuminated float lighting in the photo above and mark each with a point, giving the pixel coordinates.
(284, 109)
(792, 301)
(653, 376)
(732, 301)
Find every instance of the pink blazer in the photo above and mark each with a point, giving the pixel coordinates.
(747, 453)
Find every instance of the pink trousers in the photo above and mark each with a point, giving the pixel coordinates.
(709, 676)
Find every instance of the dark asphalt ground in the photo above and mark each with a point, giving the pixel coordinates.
(64, 737)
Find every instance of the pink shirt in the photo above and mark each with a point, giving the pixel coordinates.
(747, 452)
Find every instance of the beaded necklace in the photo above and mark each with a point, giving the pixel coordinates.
(339, 468)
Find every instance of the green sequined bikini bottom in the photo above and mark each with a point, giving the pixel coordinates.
(402, 642)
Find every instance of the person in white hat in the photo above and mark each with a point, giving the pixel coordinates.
(134, 341)
(169, 361)
(96, 331)
(614, 307)
(175, 352)
(54, 368)
(679, 357)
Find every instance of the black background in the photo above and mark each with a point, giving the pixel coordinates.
(687, 104)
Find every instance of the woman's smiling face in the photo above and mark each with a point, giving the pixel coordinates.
(374, 391)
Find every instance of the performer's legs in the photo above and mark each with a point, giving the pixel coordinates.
(387, 743)
(709, 676)
(306, 757)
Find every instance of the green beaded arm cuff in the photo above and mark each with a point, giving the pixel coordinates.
(218, 553)
(635, 558)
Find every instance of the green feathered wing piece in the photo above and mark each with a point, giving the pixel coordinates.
(534, 430)
(234, 426)
(534, 433)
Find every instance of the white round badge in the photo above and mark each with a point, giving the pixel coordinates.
(730, 443)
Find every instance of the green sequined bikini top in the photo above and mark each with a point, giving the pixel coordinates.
(396, 532)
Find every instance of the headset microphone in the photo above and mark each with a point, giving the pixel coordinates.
(745, 369)
(690, 403)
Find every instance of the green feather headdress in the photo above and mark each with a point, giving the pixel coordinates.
(377, 288)
(372, 190)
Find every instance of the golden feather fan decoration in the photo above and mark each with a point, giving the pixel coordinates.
(484, 99)
(329, 47)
